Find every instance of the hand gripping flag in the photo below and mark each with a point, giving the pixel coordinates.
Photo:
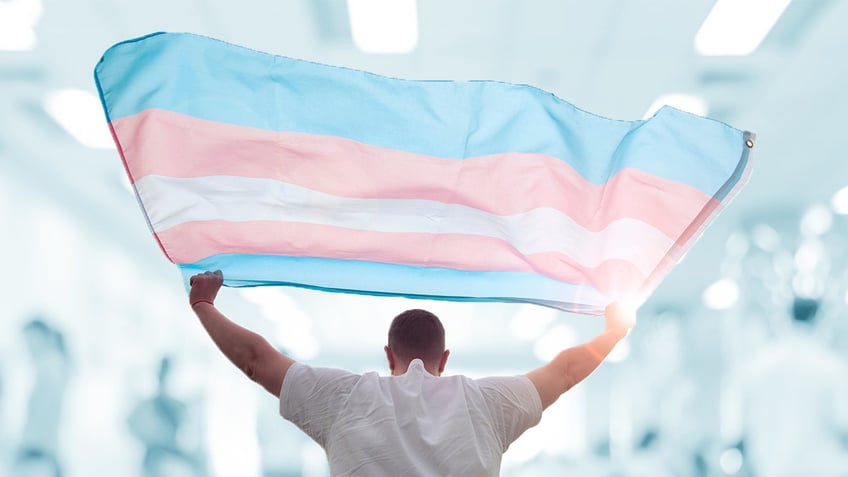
(287, 172)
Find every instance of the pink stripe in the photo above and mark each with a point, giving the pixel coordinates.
(193, 241)
(172, 144)
(683, 243)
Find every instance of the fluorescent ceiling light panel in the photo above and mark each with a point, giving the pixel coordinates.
(17, 24)
(737, 27)
(80, 114)
(685, 102)
(384, 26)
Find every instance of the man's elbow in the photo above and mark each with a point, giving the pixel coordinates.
(249, 362)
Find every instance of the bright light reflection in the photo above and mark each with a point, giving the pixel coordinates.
(80, 114)
(839, 202)
(684, 102)
(731, 461)
(807, 285)
(18, 19)
(721, 295)
(816, 221)
(809, 256)
(737, 27)
(384, 26)
(231, 439)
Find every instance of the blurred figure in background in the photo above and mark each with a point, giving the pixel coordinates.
(157, 422)
(792, 404)
(38, 454)
(36, 463)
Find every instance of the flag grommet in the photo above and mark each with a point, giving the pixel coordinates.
(749, 143)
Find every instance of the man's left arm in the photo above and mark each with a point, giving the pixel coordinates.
(248, 351)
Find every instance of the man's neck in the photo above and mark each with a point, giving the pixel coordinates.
(402, 369)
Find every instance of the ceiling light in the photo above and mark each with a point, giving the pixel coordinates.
(15, 37)
(17, 21)
(384, 26)
(80, 114)
(684, 102)
(839, 202)
(737, 27)
(721, 295)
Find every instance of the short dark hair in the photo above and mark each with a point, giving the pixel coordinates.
(417, 334)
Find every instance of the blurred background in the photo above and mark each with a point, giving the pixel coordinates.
(736, 366)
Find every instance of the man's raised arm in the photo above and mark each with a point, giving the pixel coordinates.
(572, 365)
(247, 350)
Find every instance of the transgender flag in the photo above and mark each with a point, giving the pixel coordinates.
(286, 172)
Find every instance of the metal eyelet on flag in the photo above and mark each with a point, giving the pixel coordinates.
(749, 143)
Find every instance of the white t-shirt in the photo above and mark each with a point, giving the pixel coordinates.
(414, 424)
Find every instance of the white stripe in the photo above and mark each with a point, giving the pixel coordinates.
(171, 201)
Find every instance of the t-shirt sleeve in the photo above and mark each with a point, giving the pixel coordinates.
(312, 397)
(514, 404)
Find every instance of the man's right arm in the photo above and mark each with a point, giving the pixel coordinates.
(573, 365)
(250, 352)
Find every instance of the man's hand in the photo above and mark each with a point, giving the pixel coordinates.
(205, 286)
(619, 318)
(574, 364)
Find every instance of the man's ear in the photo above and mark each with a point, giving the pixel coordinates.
(391, 357)
(444, 361)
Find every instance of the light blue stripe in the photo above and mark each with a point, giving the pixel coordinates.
(217, 81)
(371, 278)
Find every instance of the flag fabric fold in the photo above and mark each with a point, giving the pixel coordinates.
(286, 172)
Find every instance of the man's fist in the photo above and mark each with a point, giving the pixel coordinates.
(619, 317)
(205, 286)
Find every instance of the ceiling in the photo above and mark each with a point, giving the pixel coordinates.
(609, 57)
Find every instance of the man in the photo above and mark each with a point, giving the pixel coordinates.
(789, 404)
(413, 422)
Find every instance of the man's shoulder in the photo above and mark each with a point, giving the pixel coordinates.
(300, 374)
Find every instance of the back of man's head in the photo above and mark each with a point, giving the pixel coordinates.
(417, 334)
(805, 310)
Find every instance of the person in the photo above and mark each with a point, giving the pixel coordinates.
(38, 452)
(414, 422)
(157, 422)
(789, 404)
